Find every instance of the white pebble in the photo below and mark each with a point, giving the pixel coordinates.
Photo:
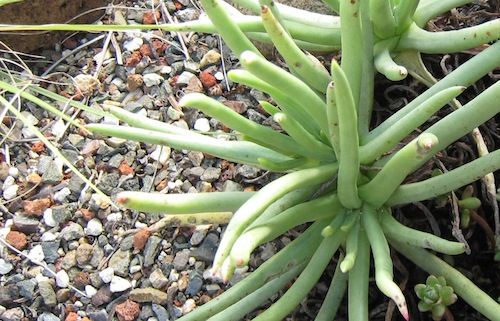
(135, 269)
(41, 278)
(133, 44)
(152, 79)
(161, 154)
(48, 236)
(165, 70)
(48, 218)
(202, 124)
(9, 181)
(61, 195)
(90, 291)
(58, 128)
(119, 284)
(174, 276)
(114, 217)
(36, 254)
(188, 306)
(14, 172)
(219, 76)
(140, 225)
(94, 227)
(107, 274)
(10, 192)
(62, 279)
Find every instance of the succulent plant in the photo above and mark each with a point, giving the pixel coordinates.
(435, 296)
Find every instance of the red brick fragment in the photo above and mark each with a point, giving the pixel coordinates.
(17, 240)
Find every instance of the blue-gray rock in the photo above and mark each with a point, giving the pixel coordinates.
(160, 312)
(50, 251)
(100, 315)
(146, 312)
(108, 183)
(151, 250)
(72, 232)
(206, 251)
(194, 285)
(26, 288)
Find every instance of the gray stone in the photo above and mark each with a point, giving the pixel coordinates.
(127, 243)
(248, 171)
(44, 163)
(151, 250)
(47, 293)
(232, 186)
(76, 184)
(109, 182)
(72, 155)
(116, 160)
(102, 296)
(206, 251)
(255, 116)
(53, 174)
(181, 259)
(210, 174)
(14, 314)
(100, 315)
(97, 256)
(120, 262)
(26, 225)
(8, 294)
(160, 312)
(194, 285)
(61, 214)
(199, 234)
(50, 251)
(72, 232)
(27, 288)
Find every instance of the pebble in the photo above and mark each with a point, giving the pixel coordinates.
(5, 267)
(90, 291)
(94, 227)
(120, 262)
(149, 294)
(161, 154)
(10, 192)
(119, 284)
(181, 259)
(202, 124)
(107, 274)
(151, 250)
(160, 312)
(36, 254)
(50, 250)
(62, 279)
(133, 44)
(14, 314)
(151, 80)
(24, 224)
(48, 218)
(199, 234)
(158, 279)
(69, 260)
(47, 316)
(47, 292)
(61, 195)
(73, 231)
(84, 253)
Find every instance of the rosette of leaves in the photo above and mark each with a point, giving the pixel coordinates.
(435, 296)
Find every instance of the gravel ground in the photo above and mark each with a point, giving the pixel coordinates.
(67, 254)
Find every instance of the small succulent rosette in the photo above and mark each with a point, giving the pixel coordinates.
(435, 296)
